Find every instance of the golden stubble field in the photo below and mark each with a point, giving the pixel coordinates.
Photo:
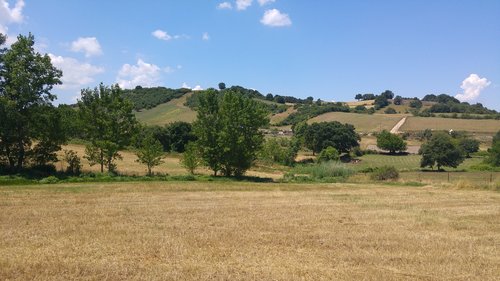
(247, 231)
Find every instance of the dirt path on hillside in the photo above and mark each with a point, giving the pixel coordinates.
(401, 122)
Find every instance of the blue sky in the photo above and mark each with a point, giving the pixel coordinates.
(326, 49)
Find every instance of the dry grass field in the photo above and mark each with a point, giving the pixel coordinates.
(169, 112)
(474, 126)
(276, 118)
(363, 122)
(247, 231)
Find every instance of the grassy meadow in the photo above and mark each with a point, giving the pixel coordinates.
(364, 123)
(489, 127)
(247, 231)
(166, 113)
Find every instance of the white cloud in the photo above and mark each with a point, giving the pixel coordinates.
(185, 86)
(243, 4)
(162, 35)
(143, 74)
(11, 15)
(75, 73)
(265, 2)
(205, 36)
(8, 16)
(472, 86)
(88, 45)
(225, 6)
(275, 18)
(197, 88)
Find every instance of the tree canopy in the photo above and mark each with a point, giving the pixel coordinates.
(30, 127)
(390, 142)
(319, 136)
(441, 151)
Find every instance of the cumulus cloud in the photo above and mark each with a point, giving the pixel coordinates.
(11, 15)
(225, 6)
(162, 35)
(143, 74)
(205, 36)
(196, 88)
(8, 16)
(87, 45)
(265, 2)
(75, 73)
(243, 4)
(275, 18)
(472, 86)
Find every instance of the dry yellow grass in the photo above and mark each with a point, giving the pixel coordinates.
(362, 122)
(245, 231)
(276, 118)
(435, 123)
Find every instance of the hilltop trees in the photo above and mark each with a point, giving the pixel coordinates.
(228, 131)
(108, 123)
(30, 125)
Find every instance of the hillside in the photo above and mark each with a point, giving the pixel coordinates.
(364, 123)
(169, 112)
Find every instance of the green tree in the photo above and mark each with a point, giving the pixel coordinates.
(469, 146)
(342, 137)
(150, 153)
(441, 151)
(30, 125)
(416, 103)
(381, 102)
(228, 131)
(191, 158)
(390, 142)
(494, 154)
(222, 86)
(387, 94)
(358, 97)
(108, 123)
(398, 100)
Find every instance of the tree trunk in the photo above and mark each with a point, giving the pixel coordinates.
(20, 156)
(102, 161)
(149, 170)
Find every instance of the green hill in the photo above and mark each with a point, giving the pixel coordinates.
(169, 112)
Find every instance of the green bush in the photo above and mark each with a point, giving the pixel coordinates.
(328, 154)
(385, 173)
(49, 180)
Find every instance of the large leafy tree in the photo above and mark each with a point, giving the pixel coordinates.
(228, 131)
(441, 151)
(390, 142)
(150, 153)
(108, 123)
(30, 125)
(319, 136)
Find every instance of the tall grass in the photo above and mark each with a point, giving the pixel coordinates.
(324, 170)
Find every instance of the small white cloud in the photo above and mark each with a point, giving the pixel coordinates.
(472, 86)
(88, 45)
(275, 18)
(243, 4)
(224, 6)
(75, 74)
(142, 74)
(185, 86)
(265, 2)
(205, 36)
(162, 35)
(197, 88)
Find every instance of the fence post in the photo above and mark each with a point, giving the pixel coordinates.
(448, 176)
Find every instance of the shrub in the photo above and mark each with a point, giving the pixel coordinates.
(385, 173)
(191, 158)
(390, 110)
(49, 180)
(328, 154)
(325, 170)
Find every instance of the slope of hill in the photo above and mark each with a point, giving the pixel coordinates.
(169, 112)
(488, 127)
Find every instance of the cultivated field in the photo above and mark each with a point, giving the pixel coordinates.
(166, 113)
(248, 231)
(362, 122)
(475, 126)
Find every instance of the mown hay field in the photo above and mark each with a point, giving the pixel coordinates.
(247, 231)
(364, 123)
(434, 123)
